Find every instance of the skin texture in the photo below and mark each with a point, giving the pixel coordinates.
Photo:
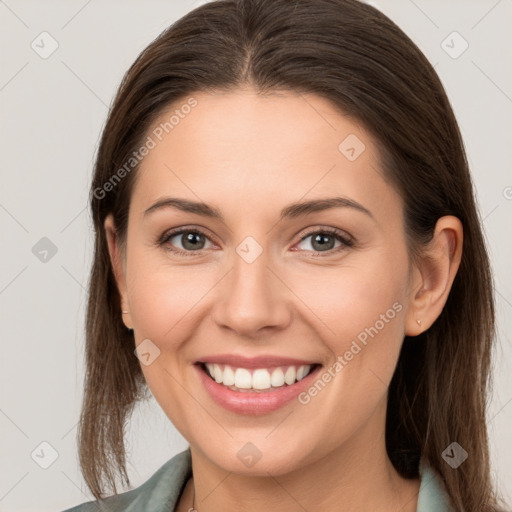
(249, 156)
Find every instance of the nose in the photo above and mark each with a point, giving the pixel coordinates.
(252, 298)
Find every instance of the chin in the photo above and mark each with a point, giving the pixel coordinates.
(257, 458)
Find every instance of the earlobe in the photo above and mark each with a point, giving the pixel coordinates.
(117, 268)
(434, 275)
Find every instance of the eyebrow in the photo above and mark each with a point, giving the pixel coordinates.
(291, 211)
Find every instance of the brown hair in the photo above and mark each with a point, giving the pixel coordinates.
(363, 63)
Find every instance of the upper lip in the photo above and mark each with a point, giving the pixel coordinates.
(263, 361)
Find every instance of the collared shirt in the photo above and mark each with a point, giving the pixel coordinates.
(162, 491)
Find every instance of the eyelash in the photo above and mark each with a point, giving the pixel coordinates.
(336, 233)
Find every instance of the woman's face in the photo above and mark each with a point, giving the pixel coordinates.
(326, 286)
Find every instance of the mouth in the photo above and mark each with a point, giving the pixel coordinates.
(256, 380)
(256, 385)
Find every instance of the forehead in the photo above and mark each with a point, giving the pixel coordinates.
(254, 149)
(243, 122)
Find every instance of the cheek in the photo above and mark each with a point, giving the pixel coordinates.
(163, 298)
(164, 302)
(362, 306)
(360, 311)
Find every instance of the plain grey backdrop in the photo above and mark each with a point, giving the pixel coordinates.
(61, 63)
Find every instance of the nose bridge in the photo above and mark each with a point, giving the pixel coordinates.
(250, 269)
(252, 297)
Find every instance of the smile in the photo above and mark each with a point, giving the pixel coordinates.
(257, 379)
(255, 386)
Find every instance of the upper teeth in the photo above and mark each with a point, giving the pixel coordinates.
(261, 378)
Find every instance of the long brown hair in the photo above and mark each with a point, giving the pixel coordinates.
(363, 63)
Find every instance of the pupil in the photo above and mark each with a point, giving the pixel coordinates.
(189, 239)
(322, 240)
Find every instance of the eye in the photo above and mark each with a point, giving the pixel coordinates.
(191, 240)
(324, 240)
(187, 241)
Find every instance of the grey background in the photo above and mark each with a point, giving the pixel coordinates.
(52, 113)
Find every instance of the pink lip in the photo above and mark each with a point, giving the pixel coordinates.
(265, 361)
(252, 402)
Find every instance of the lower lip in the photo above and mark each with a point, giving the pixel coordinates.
(252, 402)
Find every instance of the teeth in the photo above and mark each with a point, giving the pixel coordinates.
(228, 376)
(300, 373)
(277, 379)
(217, 373)
(290, 375)
(243, 378)
(261, 378)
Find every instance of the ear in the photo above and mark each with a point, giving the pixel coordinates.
(433, 275)
(118, 267)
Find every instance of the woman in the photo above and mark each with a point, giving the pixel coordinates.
(289, 259)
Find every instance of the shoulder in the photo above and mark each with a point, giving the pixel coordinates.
(433, 496)
(159, 493)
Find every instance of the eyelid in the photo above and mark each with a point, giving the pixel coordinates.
(346, 240)
(189, 229)
(171, 233)
(327, 229)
